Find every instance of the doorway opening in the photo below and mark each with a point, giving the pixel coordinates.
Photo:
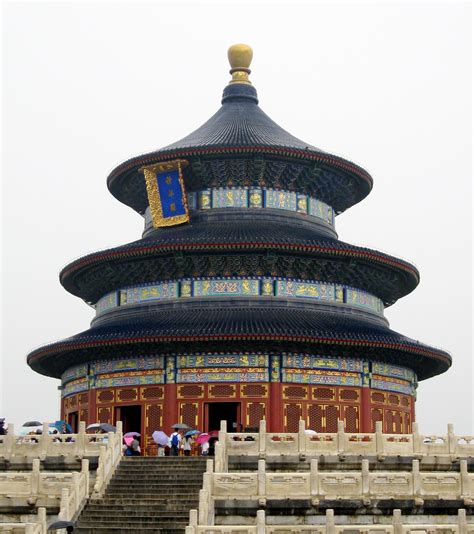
(223, 411)
(73, 420)
(131, 417)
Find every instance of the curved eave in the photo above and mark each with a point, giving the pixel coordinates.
(142, 251)
(429, 361)
(131, 166)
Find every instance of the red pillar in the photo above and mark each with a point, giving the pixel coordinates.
(91, 407)
(170, 415)
(275, 411)
(365, 410)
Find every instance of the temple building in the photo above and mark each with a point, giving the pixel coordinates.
(239, 302)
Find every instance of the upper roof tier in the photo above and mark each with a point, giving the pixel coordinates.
(241, 130)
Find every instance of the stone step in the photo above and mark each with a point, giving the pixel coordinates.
(133, 522)
(153, 476)
(165, 485)
(130, 515)
(134, 504)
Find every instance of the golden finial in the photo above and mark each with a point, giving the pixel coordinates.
(240, 57)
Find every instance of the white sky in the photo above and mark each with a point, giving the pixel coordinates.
(88, 85)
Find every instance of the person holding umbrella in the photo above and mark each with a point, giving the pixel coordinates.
(175, 441)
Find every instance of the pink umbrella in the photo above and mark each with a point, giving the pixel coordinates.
(128, 440)
(203, 438)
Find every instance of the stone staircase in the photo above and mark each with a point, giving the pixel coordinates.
(152, 495)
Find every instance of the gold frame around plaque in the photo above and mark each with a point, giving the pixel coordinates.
(156, 210)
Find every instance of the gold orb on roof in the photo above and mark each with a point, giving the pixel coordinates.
(240, 57)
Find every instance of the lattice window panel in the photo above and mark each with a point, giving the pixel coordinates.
(222, 390)
(73, 401)
(393, 399)
(293, 414)
(389, 422)
(316, 417)
(83, 398)
(190, 390)
(253, 390)
(295, 392)
(375, 415)
(324, 393)
(105, 396)
(378, 397)
(255, 413)
(351, 418)
(332, 416)
(397, 423)
(104, 415)
(127, 395)
(348, 395)
(189, 414)
(152, 393)
(405, 401)
(153, 418)
(84, 415)
(407, 422)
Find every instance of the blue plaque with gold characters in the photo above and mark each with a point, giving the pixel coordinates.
(166, 193)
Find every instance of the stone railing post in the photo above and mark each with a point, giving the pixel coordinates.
(76, 491)
(314, 478)
(9, 441)
(262, 440)
(81, 440)
(260, 521)
(42, 519)
(100, 473)
(35, 478)
(397, 521)
(44, 441)
(119, 427)
(462, 523)
(219, 457)
(330, 525)
(416, 439)
(451, 439)
(261, 485)
(64, 505)
(203, 507)
(190, 529)
(465, 483)
(365, 478)
(301, 437)
(207, 482)
(223, 442)
(85, 473)
(340, 437)
(379, 444)
(416, 479)
(209, 465)
(193, 518)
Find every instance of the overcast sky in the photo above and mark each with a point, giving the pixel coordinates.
(88, 85)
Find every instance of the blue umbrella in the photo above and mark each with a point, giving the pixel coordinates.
(59, 426)
(191, 433)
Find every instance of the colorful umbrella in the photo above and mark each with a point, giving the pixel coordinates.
(60, 425)
(104, 427)
(203, 438)
(214, 433)
(160, 438)
(132, 435)
(128, 440)
(191, 433)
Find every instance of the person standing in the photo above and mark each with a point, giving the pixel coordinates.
(175, 441)
(187, 445)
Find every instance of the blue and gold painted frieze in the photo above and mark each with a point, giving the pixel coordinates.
(305, 361)
(72, 373)
(317, 376)
(130, 378)
(256, 197)
(222, 374)
(76, 386)
(242, 287)
(222, 360)
(239, 367)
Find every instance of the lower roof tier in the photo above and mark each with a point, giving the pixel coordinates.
(241, 327)
(224, 248)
